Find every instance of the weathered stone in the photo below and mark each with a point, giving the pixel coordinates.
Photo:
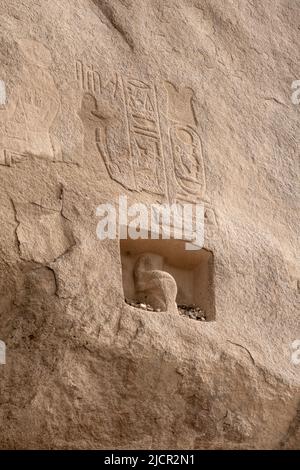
(161, 101)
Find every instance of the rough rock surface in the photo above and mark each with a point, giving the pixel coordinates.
(84, 369)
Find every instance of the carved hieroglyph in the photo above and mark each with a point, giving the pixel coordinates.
(128, 118)
(129, 136)
(187, 159)
(31, 109)
(144, 136)
(186, 145)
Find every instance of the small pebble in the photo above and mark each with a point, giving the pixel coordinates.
(191, 311)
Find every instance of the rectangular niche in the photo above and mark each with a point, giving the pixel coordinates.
(193, 271)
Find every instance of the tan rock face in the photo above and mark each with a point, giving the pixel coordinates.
(182, 101)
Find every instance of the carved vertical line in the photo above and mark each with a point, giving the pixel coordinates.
(89, 79)
(126, 108)
(79, 72)
(116, 86)
(97, 82)
(93, 80)
(83, 76)
(161, 143)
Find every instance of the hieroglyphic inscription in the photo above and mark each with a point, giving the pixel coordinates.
(187, 157)
(138, 164)
(103, 102)
(144, 136)
(128, 132)
(91, 81)
(119, 165)
(186, 145)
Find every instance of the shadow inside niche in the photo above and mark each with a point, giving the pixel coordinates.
(193, 272)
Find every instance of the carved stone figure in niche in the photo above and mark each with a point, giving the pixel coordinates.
(154, 286)
(188, 159)
(31, 109)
